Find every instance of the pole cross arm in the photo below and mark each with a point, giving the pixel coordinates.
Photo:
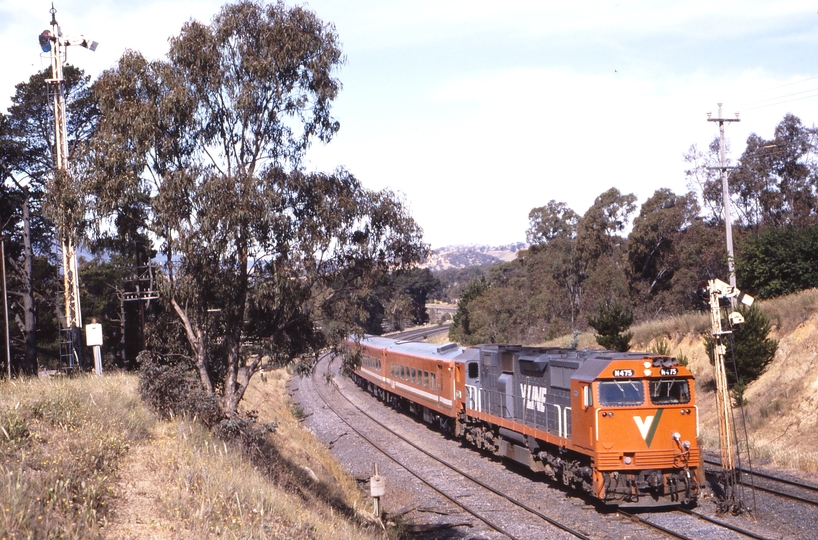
(82, 41)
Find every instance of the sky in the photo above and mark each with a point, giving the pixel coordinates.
(476, 112)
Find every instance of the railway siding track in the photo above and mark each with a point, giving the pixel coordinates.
(798, 491)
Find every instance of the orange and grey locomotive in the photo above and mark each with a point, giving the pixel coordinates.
(620, 426)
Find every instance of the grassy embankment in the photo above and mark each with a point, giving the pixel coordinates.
(84, 458)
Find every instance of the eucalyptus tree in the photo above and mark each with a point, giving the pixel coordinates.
(654, 250)
(551, 221)
(212, 140)
(776, 181)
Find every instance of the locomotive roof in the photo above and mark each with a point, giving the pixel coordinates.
(443, 352)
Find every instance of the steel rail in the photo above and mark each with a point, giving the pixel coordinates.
(637, 519)
(515, 502)
(383, 451)
(776, 492)
(720, 523)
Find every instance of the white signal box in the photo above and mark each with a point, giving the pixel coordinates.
(93, 335)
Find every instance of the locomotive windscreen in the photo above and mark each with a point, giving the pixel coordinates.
(621, 392)
(669, 391)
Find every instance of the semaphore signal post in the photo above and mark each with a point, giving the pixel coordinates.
(53, 42)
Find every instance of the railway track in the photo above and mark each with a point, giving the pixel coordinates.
(696, 516)
(793, 490)
(418, 334)
(490, 503)
(495, 514)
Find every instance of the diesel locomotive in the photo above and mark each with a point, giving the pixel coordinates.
(622, 427)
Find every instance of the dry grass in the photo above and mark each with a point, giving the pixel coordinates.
(84, 458)
(584, 340)
(788, 312)
(60, 444)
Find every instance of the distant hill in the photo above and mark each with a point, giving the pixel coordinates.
(472, 255)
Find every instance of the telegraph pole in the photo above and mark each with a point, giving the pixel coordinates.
(55, 43)
(725, 192)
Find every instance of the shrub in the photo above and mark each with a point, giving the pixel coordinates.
(660, 347)
(175, 389)
(750, 348)
(610, 322)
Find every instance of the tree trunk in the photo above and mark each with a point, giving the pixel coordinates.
(233, 390)
(197, 343)
(29, 315)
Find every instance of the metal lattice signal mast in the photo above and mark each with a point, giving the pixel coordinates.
(52, 41)
(716, 290)
(726, 193)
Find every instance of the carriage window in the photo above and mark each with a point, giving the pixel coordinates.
(621, 392)
(412, 376)
(432, 383)
(426, 379)
(669, 391)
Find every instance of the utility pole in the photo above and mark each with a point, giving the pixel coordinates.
(725, 192)
(52, 41)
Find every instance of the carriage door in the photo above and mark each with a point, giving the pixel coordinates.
(438, 381)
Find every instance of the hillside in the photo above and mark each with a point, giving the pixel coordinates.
(472, 255)
(781, 404)
(84, 458)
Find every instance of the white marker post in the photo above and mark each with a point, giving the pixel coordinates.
(93, 338)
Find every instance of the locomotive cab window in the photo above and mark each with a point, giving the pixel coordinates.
(668, 391)
(620, 393)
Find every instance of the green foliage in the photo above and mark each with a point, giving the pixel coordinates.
(253, 245)
(774, 180)
(551, 221)
(610, 322)
(453, 281)
(750, 346)
(461, 328)
(660, 347)
(173, 388)
(779, 261)
(654, 249)
(399, 299)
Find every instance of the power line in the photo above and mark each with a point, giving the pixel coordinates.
(782, 86)
(777, 97)
(784, 101)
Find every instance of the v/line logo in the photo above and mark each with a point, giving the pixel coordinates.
(647, 427)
